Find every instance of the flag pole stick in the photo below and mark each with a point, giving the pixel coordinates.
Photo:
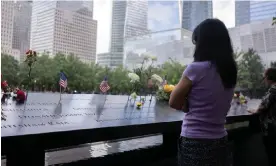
(150, 95)
(59, 93)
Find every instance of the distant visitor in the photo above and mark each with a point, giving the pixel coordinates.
(20, 96)
(267, 114)
(4, 88)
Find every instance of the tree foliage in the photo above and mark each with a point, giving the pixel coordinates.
(10, 67)
(81, 76)
(172, 70)
(87, 77)
(250, 71)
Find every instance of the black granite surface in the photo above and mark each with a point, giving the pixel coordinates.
(46, 122)
(45, 112)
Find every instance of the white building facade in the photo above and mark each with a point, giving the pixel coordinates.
(169, 45)
(259, 35)
(177, 44)
(64, 27)
(7, 17)
(6, 24)
(22, 27)
(109, 59)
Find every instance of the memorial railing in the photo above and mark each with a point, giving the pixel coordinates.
(43, 124)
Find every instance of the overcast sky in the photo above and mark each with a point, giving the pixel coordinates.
(161, 15)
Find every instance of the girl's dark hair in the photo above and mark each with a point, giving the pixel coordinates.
(213, 43)
(271, 74)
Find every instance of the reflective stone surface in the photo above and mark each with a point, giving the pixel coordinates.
(45, 112)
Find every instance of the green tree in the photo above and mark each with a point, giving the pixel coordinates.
(274, 21)
(173, 70)
(250, 71)
(43, 72)
(238, 55)
(77, 73)
(81, 76)
(119, 80)
(9, 69)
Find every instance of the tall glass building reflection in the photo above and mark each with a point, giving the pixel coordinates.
(250, 11)
(242, 12)
(194, 12)
(260, 10)
(168, 45)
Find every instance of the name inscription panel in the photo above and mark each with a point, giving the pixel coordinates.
(46, 111)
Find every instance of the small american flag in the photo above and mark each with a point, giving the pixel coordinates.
(164, 81)
(63, 80)
(104, 87)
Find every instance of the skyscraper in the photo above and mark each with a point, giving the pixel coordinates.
(118, 26)
(22, 27)
(250, 11)
(64, 26)
(7, 8)
(242, 12)
(260, 10)
(6, 23)
(194, 12)
(129, 18)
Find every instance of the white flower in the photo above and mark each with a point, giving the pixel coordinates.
(153, 58)
(149, 57)
(145, 56)
(133, 95)
(157, 78)
(133, 77)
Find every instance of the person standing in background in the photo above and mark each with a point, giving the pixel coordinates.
(205, 92)
(4, 87)
(20, 96)
(267, 114)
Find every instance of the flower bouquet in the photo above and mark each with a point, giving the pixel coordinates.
(239, 99)
(164, 92)
(31, 58)
(239, 103)
(134, 80)
(139, 105)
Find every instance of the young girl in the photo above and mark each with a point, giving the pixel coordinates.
(208, 85)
